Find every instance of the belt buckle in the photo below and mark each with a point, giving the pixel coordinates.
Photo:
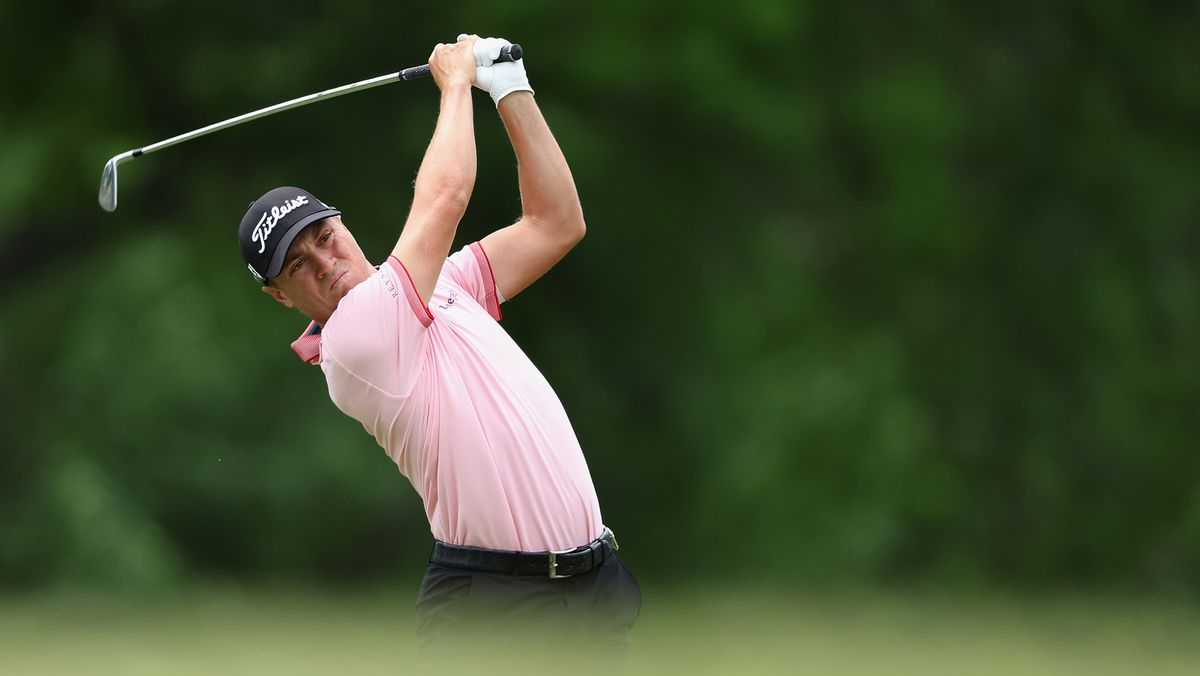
(552, 567)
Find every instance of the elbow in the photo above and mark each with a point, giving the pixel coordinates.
(455, 199)
(576, 229)
(568, 231)
(446, 186)
(571, 225)
(447, 198)
(563, 230)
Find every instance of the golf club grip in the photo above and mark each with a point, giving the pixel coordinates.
(507, 53)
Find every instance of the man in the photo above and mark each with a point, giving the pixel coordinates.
(412, 349)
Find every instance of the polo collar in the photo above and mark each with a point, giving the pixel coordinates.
(308, 345)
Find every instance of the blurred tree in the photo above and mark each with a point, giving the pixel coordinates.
(869, 294)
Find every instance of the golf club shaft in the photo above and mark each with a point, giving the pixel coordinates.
(269, 110)
(509, 53)
(108, 178)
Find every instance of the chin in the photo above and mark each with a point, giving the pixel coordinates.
(352, 280)
(339, 294)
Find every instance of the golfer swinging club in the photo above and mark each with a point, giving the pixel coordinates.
(412, 350)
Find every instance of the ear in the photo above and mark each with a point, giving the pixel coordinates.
(278, 295)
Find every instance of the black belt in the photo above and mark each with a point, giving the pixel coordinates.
(549, 564)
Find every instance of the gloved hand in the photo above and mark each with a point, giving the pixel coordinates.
(497, 79)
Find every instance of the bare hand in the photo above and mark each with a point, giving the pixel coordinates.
(453, 64)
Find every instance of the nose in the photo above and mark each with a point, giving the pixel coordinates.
(325, 265)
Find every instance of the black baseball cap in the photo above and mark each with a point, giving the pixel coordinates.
(272, 222)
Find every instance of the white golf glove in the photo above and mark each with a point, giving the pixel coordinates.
(497, 79)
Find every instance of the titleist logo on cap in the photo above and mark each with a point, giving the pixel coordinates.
(267, 223)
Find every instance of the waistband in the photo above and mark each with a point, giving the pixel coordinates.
(560, 564)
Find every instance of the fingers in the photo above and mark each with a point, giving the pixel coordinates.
(470, 57)
(470, 39)
(453, 62)
(485, 50)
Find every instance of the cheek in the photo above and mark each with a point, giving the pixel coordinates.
(303, 291)
(314, 289)
(346, 248)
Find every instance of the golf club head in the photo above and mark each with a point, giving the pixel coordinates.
(108, 186)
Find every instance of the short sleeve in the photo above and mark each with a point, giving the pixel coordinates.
(470, 269)
(400, 277)
(377, 333)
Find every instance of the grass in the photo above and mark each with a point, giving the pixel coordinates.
(298, 633)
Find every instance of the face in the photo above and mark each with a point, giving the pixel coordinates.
(322, 265)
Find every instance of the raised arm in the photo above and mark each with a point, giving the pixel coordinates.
(447, 174)
(551, 217)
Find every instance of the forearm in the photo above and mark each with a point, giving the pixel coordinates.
(447, 172)
(548, 197)
(441, 191)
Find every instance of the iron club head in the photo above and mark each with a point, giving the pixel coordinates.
(108, 185)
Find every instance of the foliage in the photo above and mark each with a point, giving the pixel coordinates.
(886, 294)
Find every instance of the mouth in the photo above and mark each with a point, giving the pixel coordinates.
(339, 278)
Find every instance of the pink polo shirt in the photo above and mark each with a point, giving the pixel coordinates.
(459, 407)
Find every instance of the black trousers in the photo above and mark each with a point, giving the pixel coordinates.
(491, 618)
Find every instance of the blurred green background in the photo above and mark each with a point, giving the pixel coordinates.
(889, 296)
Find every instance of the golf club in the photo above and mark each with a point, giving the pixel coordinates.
(108, 178)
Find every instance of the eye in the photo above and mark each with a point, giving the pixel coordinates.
(296, 266)
(326, 236)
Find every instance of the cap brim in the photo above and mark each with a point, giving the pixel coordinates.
(285, 242)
